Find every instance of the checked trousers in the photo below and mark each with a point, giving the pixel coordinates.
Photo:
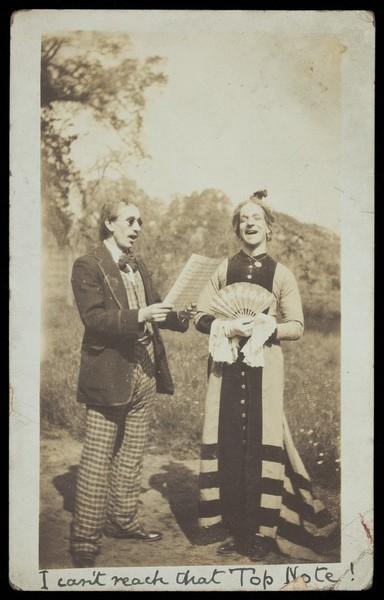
(109, 475)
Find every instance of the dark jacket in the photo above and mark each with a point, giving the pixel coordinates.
(111, 329)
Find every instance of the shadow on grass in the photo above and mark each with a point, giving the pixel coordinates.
(179, 486)
(66, 486)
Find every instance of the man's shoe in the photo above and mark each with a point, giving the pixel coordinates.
(141, 535)
(83, 560)
(259, 546)
(229, 547)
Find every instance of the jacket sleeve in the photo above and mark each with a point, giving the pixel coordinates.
(204, 323)
(88, 289)
(173, 323)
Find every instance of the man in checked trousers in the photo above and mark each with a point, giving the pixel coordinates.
(123, 365)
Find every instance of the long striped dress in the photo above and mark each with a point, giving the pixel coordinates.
(251, 477)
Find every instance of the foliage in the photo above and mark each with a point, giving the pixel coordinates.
(206, 218)
(88, 80)
(198, 224)
(313, 254)
(201, 223)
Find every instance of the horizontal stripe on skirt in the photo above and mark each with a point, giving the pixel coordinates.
(209, 508)
(299, 536)
(209, 480)
(209, 451)
(307, 512)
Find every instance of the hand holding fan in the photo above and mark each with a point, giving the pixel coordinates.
(240, 300)
(235, 301)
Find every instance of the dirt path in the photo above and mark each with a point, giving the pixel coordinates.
(168, 503)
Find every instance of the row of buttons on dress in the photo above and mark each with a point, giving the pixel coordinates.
(242, 401)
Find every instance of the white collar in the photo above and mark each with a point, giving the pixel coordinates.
(116, 254)
(114, 250)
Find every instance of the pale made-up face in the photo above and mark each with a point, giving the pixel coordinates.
(253, 227)
(126, 226)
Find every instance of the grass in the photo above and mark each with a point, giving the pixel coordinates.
(312, 401)
(312, 394)
(61, 335)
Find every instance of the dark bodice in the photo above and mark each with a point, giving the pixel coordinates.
(240, 267)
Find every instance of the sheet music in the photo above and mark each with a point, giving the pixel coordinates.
(191, 280)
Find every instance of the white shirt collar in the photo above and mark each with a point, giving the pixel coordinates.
(116, 253)
(114, 250)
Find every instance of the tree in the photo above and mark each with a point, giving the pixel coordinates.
(207, 218)
(194, 224)
(90, 81)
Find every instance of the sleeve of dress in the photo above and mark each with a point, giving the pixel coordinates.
(288, 296)
(204, 319)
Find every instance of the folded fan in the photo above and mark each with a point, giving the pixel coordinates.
(240, 300)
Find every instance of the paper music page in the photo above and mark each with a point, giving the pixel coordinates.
(191, 280)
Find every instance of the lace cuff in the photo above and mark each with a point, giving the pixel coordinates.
(263, 328)
(223, 349)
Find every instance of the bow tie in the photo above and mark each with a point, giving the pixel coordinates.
(127, 258)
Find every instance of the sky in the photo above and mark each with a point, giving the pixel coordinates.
(240, 112)
(243, 112)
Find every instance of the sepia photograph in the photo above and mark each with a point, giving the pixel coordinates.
(191, 407)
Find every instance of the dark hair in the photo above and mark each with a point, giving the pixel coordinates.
(110, 212)
(256, 198)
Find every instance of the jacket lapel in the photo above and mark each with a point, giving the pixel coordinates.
(112, 275)
(146, 281)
